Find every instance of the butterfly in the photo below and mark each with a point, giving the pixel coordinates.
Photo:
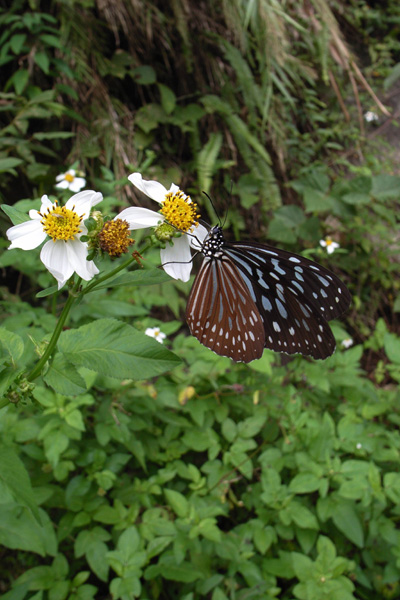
(249, 296)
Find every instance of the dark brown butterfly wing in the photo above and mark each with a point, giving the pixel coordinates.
(221, 313)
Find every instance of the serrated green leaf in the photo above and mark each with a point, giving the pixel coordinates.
(16, 216)
(185, 572)
(55, 443)
(302, 516)
(347, 521)
(19, 530)
(157, 545)
(263, 538)
(47, 292)
(11, 344)
(42, 60)
(138, 277)
(144, 75)
(129, 541)
(356, 198)
(7, 165)
(251, 426)
(391, 344)
(304, 483)
(385, 186)
(63, 377)
(208, 529)
(20, 80)
(177, 502)
(317, 201)
(7, 376)
(168, 98)
(116, 349)
(17, 41)
(51, 40)
(96, 556)
(15, 479)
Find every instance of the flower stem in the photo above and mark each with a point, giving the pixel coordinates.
(67, 307)
(54, 338)
(115, 271)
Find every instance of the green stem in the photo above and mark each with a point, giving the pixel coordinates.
(115, 271)
(64, 314)
(4, 402)
(54, 338)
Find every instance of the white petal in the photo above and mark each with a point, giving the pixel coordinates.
(77, 184)
(84, 202)
(153, 189)
(174, 188)
(64, 185)
(55, 258)
(46, 204)
(27, 235)
(34, 214)
(77, 252)
(323, 243)
(197, 236)
(139, 218)
(179, 258)
(60, 177)
(70, 172)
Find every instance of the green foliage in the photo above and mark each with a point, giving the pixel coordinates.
(131, 469)
(284, 485)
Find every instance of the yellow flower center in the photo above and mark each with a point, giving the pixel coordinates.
(68, 177)
(60, 223)
(114, 237)
(328, 241)
(180, 211)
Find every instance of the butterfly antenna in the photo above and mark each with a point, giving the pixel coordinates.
(212, 204)
(179, 262)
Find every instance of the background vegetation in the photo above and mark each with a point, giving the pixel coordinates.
(278, 479)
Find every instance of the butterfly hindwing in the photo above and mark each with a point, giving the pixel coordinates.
(221, 314)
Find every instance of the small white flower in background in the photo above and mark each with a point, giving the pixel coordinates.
(70, 181)
(346, 343)
(359, 446)
(156, 333)
(64, 254)
(370, 116)
(329, 244)
(177, 209)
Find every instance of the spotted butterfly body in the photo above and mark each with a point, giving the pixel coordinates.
(249, 296)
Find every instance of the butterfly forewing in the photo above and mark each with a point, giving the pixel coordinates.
(301, 276)
(221, 315)
(295, 298)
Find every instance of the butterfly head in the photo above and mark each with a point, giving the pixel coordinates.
(213, 242)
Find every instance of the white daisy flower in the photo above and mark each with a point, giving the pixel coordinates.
(69, 181)
(64, 254)
(156, 333)
(370, 116)
(176, 209)
(346, 343)
(329, 244)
